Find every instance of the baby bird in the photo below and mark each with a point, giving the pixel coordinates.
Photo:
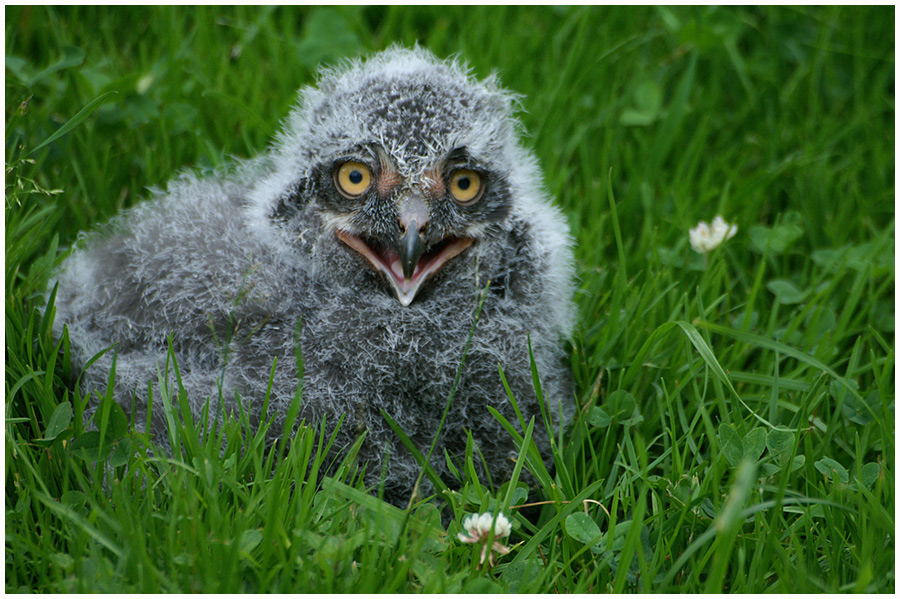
(359, 245)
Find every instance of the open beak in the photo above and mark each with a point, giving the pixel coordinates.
(408, 265)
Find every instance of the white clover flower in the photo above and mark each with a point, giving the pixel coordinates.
(478, 527)
(705, 238)
(478, 530)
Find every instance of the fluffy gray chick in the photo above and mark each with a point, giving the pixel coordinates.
(362, 240)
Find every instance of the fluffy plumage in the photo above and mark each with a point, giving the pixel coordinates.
(278, 256)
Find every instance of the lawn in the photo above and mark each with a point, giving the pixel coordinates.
(735, 427)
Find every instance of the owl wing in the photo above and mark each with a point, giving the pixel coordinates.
(183, 264)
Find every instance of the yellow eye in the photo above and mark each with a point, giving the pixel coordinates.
(353, 179)
(466, 186)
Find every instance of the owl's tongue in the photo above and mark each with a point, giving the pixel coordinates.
(397, 269)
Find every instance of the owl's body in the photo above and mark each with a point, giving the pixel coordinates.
(361, 242)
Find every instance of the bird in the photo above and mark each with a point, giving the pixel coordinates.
(343, 268)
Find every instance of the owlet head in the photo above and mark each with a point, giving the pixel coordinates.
(406, 158)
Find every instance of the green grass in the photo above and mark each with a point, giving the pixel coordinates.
(736, 422)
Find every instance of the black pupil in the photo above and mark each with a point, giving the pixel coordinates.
(356, 177)
(463, 183)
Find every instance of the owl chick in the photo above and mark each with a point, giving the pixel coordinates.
(362, 241)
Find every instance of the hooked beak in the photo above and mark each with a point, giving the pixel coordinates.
(410, 249)
(409, 264)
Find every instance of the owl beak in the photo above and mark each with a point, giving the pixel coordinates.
(410, 249)
(407, 266)
(407, 262)
(417, 264)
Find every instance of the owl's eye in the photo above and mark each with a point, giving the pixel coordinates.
(353, 179)
(466, 186)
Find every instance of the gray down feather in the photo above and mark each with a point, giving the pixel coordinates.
(246, 267)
